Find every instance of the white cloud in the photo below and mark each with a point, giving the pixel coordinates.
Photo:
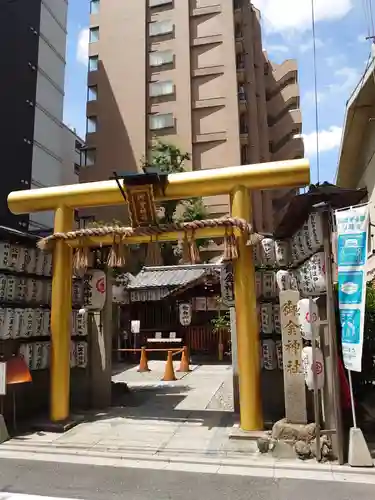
(309, 97)
(295, 15)
(362, 38)
(83, 46)
(336, 60)
(348, 79)
(328, 139)
(272, 49)
(304, 47)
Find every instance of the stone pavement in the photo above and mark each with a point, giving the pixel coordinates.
(189, 416)
(182, 425)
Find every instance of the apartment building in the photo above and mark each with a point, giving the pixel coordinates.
(356, 163)
(192, 73)
(33, 139)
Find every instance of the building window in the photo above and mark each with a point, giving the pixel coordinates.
(94, 6)
(241, 93)
(92, 123)
(92, 94)
(159, 3)
(161, 28)
(243, 124)
(244, 155)
(161, 88)
(158, 122)
(94, 35)
(88, 157)
(93, 63)
(84, 222)
(77, 168)
(78, 146)
(240, 61)
(161, 58)
(238, 30)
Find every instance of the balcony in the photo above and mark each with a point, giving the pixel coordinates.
(244, 155)
(210, 137)
(240, 64)
(244, 138)
(244, 131)
(242, 100)
(292, 148)
(291, 121)
(284, 99)
(160, 3)
(161, 28)
(239, 39)
(237, 10)
(281, 75)
(206, 10)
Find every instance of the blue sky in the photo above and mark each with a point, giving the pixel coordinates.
(342, 54)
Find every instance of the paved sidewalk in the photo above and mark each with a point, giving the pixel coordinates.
(182, 425)
(159, 419)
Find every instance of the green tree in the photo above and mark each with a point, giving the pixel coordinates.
(364, 381)
(169, 159)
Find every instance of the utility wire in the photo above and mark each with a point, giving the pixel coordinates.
(371, 16)
(368, 17)
(315, 90)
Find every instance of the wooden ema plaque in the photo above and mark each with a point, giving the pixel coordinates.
(294, 378)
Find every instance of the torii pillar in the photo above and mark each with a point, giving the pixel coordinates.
(236, 181)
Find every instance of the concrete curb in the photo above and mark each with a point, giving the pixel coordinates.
(273, 472)
(259, 462)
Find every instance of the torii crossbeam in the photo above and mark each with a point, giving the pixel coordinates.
(235, 181)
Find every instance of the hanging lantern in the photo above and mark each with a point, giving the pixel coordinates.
(308, 315)
(283, 280)
(17, 371)
(282, 253)
(307, 364)
(268, 252)
(185, 313)
(315, 228)
(279, 353)
(269, 354)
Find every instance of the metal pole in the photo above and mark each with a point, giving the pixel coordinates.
(316, 391)
(352, 399)
(333, 373)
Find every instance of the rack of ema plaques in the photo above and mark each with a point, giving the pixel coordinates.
(294, 264)
(25, 301)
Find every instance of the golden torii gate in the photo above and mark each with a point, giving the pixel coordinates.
(235, 181)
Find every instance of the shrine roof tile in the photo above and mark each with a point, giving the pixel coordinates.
(164, 278)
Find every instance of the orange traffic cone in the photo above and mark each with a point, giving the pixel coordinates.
(143, 365)
(169, 375)
(184, 363)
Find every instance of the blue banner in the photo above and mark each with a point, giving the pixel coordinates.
(352, 237)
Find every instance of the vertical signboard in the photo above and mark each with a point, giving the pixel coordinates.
(352, 236)
(227, 284)
(294, 379)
